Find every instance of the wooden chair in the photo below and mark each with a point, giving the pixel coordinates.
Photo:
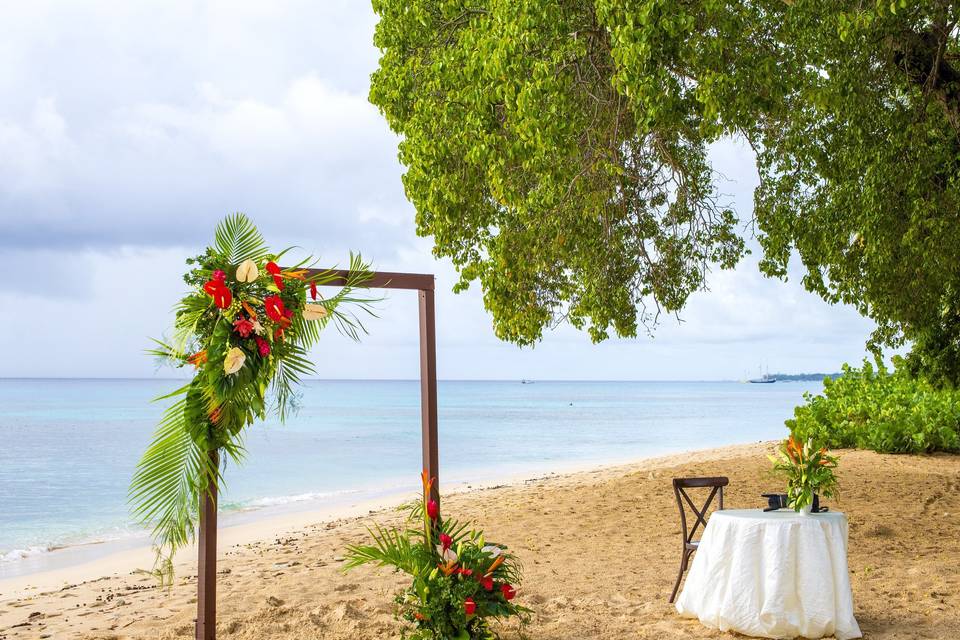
(680, 486)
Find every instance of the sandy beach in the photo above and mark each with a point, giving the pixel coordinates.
(600, 551)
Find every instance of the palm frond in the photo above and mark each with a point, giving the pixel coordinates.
(169, 479)
(290, 368)
(237, 239)
(390, 548)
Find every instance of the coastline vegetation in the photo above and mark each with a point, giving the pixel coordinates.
(888, 411)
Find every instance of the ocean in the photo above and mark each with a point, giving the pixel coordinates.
(70, 446)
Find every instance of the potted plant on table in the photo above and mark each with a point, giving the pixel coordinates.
(809, 471)
(460, 582)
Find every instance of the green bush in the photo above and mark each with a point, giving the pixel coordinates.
(873, 408)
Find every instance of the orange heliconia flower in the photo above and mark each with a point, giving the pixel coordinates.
(427, 483)
(198, 358)
(215, 415)
(249, 310)
(448, 568)
(493, 565)
(300, 274)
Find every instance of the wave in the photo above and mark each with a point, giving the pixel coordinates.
(20, 554)
(276, 501)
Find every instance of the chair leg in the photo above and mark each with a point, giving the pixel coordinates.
(683, 567)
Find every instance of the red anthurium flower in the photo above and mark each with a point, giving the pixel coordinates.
(274, 270)
(244, 327)
(313, 290)
(487, 582)
(469, 606)
(466, 572)
(273, 305)
(445, 541)
(262, 346)
(222, 297)
(508, 591)
(433, 509)
(219, 276)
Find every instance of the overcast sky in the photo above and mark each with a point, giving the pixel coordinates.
(128, 129)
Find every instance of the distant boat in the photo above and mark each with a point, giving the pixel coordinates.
(764, 379)
(526, 382)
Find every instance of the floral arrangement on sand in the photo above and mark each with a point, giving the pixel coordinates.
(808, 470)
(245, 328)
(460, 581)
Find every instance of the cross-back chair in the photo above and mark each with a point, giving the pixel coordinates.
(680, 487)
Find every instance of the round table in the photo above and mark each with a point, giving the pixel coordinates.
(776, 574)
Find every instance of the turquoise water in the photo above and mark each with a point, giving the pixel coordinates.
(70, 446)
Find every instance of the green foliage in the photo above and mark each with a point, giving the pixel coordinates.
(557, 152)
(459, 582)
(536, 175)
(269, 343)
(889, 412)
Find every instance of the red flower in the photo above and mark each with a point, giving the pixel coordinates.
(466, 572)
(508, 591)
(244, 327)
(487, 582)
(274, 270)
(313, 290)
(219, 276)
(273, 305)
(469, 606)
(433, 509)
(445, 541)
(263, 346)
(222, 297)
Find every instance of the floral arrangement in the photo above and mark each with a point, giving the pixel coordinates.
(809, 471)
(460, 581)
(245, 329)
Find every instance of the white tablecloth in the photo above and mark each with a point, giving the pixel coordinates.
(774, 575)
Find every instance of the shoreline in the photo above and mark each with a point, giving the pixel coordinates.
(85, 561)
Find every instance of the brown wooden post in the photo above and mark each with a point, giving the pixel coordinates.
(428, 390)
(207, 558)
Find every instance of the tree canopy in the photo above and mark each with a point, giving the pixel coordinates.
(557, 152)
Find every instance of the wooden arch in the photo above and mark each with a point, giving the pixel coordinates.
(206, 628)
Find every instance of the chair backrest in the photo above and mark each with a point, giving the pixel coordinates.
(680, 486)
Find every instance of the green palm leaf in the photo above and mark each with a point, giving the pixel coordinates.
(170, 477)
(237, 239)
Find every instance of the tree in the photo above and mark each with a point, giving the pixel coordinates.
(557, 152)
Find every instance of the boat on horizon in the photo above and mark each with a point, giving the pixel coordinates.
(764, 379)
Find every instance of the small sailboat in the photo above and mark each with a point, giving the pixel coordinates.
(764, 379)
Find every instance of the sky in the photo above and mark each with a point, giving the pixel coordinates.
(127, 130)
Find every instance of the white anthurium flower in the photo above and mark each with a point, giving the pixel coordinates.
(492, 550)
(315, 312)
(449, 556)
(247, 271)
(234, 360)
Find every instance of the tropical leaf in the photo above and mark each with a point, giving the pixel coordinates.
(237, 239)
(390, 548)
(167, 484)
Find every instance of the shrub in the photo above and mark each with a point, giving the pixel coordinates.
(886, 411)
